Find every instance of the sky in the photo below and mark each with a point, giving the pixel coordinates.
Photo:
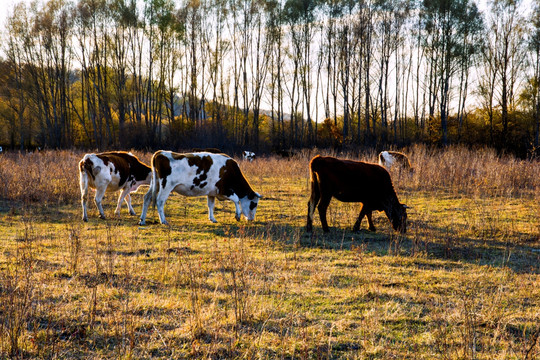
(6, 8)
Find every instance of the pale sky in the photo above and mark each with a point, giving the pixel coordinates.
(6, 7)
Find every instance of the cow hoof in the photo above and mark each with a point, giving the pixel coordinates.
(85, 219)
(237, 218)
(213, 220)
(102, 217)
(141, 222)
(372, 229)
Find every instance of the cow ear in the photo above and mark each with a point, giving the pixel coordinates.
(258, 195)
(405, 206)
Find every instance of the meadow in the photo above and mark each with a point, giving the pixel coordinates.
(462, 283)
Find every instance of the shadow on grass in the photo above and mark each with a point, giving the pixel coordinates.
(437, 243)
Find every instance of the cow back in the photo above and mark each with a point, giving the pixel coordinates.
(353, 181)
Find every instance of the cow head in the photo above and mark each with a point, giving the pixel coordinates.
(249, 205)
(398, 217)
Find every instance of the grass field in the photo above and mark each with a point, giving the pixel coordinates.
(463, 283)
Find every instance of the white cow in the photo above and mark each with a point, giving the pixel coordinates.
(199, 174)
(110, 172)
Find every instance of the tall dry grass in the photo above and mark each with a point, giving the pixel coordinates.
(51, 177)
(46, 177)
(461, 170)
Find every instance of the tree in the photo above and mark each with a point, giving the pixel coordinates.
(446, 24)
(17, 36)
(300, 15)
(506, 26)
(276, 36)
(534, 47)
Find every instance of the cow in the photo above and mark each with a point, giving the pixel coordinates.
(390, 158)
(353, 181)
(199, 174)
(248, 156)
(110, 172)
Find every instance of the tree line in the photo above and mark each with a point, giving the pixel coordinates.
(269, 74)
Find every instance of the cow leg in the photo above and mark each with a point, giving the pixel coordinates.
(146, 203)
(124, 195)
(160, 204)
(236, 200)
(211, 202)
(370, 222)
(128, 202)
(84, 194)
(100, 192)
(364, 212)
(322, 207)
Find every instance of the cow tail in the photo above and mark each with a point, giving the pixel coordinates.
(154, 184)
(315, 195)
(314, 179)
(83, 176)
(155, 187)
(314, 168)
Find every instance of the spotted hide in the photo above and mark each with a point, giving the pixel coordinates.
(199, 174)
(353, 181)
(248, 155)
(110, 172)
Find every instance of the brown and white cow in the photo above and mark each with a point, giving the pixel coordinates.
(199, 174)
(390, 158)
(353, 181)
(110, 172)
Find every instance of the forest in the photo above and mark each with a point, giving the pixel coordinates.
(267, 75)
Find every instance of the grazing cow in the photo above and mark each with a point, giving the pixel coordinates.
(353, 181)
(210, 150)
(248, 156)
(199, 174)
(109, 172)
(390, 158)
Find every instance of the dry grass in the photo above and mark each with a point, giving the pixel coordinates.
(462, 284)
